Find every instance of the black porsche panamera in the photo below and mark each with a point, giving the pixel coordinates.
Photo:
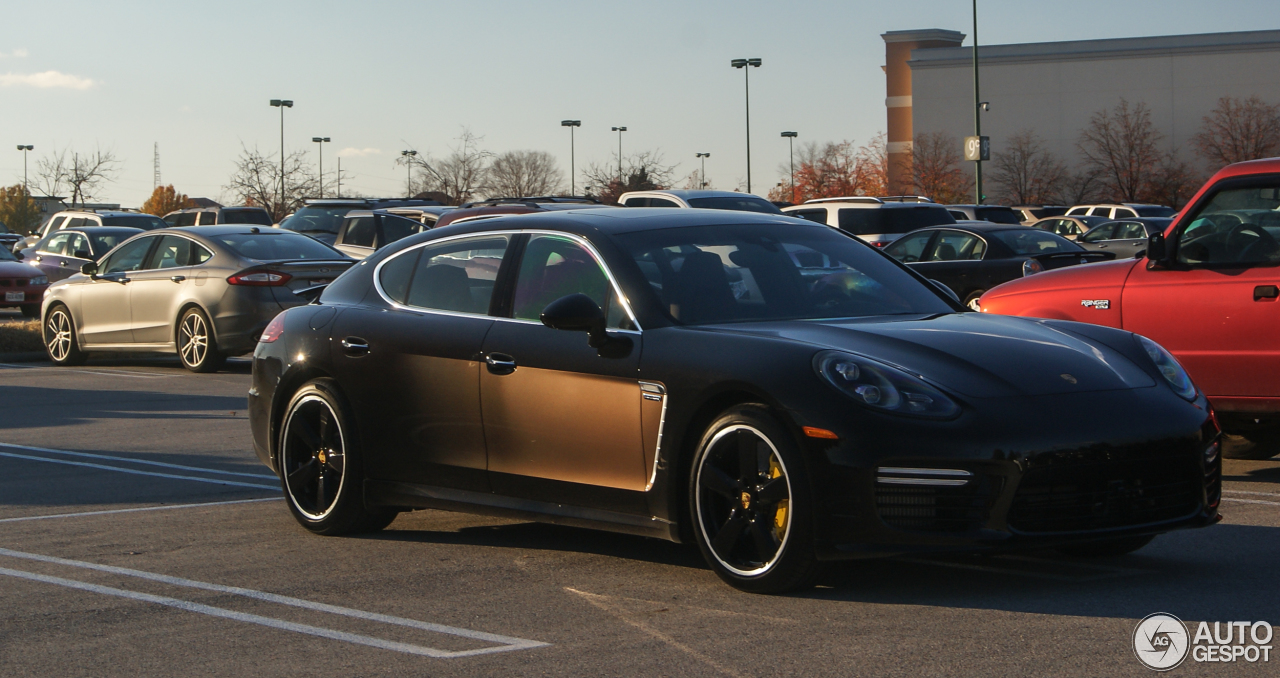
(780, 393)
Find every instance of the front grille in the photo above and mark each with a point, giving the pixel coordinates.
(16, 282)
(1106, 494)
(938, 509)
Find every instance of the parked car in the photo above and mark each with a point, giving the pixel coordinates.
(321, 219)
(1126, 238)
(1030, 213)
(996, 214)
(23, 286)
(203, 292)
(836, 406)
(877, 221)
(9, 240)
(208, 216)
(88, 219)
(974, 256)
(491, 209)
(1208, 289)
(427, 215)
(364, 231)
(1071, 227)
(1123, 210)
(62, 254)
(711, 200)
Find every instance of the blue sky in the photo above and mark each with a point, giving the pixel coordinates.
(378, 76)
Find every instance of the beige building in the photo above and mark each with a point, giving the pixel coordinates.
(1052, 88)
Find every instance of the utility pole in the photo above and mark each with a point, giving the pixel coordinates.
(619, 130)
(24, 148)
(790, 137)
(320, 142)
(282, 104)
(743, 64)
(408, 170)
(155, 181)
(977, 110)
(571, 124)
(339, 176)
(703, 157)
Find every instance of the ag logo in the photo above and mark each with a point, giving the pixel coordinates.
(1161, 641)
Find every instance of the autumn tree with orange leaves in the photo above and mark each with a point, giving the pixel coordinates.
(834, 170)
(935, 169)
(166, 199)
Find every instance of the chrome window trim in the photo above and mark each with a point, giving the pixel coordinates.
(613, 282)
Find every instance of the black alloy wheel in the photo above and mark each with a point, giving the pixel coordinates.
(751, 504)
(197, 347)
(320, 465)
(60, 338)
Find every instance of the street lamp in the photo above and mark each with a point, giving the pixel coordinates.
(619, 130)
(704, 157)
(321, 141)
(408, 170)
(790, 137)
(24, 148)
(571, 124)
(978, 107)
(743, 64)
(282, 104)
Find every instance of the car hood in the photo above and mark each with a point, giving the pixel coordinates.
(972, 354)
(18, 269)
(1105, 275)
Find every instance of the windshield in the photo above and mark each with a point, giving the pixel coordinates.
(278, 247)
(746, 272)
(882, 220)
(318, 219)
(1033, 241)
(998, 215)
(145, 222)
(745, 203)
(247, 216)
(1155, 211)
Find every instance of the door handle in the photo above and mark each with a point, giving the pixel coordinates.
(39, 258)
(1265, 292)
(62, 262)
(500, 363)
(355, 346)
(178, 278)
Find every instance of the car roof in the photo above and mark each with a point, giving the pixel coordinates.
(616, 221)
(99, 230)
(978, 227)
(874, 203)
(226, 229)
(691, 194)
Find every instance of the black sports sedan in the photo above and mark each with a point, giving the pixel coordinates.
(778, 392)
(972, 257)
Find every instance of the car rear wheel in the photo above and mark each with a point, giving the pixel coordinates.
(752, 505)
(197, 347)
(30, 310)
(972, 300)
(60, 338)
(1107, 547)
(320, 464)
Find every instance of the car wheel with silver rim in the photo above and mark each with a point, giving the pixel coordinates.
(974, 300)
(197, 347)
(751, 504)
(320, 467)
(60, 338)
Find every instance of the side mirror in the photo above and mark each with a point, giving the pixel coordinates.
(90, 269)
(1156, 249)
(946, 290)
(577, 312)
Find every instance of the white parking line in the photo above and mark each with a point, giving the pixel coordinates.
(131, 460)
(1260, 494)
(135, 510)
(100, 372)
(213, 481)
(503, 643)
(1250, 501)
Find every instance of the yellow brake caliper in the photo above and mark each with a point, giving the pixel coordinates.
(779, 518)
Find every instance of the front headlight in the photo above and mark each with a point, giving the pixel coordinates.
(39, 280)
(882, 387)
(1169, 368)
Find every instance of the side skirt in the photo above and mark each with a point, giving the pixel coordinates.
(392, 493)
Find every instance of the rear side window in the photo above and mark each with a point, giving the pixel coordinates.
(145, 222)
(659, 202)
(998, 215)
(742, 203)
(816, 216)
(396, 274)
(636, 202)
(892, 220)
(457, 275)
(171, 253)
(246, 216)
(208, 218)
(360, 232)
(395, 228)
(1125, 213)
(1100, 212)
(185, 219)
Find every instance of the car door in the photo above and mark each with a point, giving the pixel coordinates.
(562, 420)
(50, 256)
(1098, 237)
(954, 259)
(1130, 237)
(413, 365)
(77, 254)
(105, 317)
(157, 289)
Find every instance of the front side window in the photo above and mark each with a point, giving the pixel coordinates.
(1237, 226)
(57, 244)
(555, 266)
(1130, 230)
(78, 246)
(457, 275)
(128, 258)
(998, 215)
(909, 247)
(1100, 233)
(312, 219)
(360, 232)
(1032, 241)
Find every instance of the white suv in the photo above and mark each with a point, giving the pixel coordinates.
(84, 218)
(1128, 210)
(875, 220)
(713, 200)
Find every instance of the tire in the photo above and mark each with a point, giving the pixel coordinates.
(197, 347)
(60, 342)
(1260, 444)
(30, 310)
(971, 301)
(753, 523)
(319, 448)
(1106, 547)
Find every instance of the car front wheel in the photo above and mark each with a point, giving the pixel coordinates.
(973, 300)
(752, 505)
(60, 338)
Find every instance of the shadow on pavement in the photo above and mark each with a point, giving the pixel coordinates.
(65, 407)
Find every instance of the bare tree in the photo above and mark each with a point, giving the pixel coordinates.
(644, 171)
(1078, 188)
(1174, 183)
(1025, 172)
(1238, 130)
(256, 181)
(935, 168)
(458, 177)
(81, 175)
(1122, 146)
(517, 174)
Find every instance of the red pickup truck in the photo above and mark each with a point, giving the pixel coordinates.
(1207, 289)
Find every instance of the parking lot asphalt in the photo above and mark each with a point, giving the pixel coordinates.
(140, 536)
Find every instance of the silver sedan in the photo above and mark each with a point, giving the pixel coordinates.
(204, 293)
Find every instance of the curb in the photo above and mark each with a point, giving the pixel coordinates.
(31, 357)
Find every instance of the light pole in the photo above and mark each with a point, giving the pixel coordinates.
(704, 157)
(619, 130)
(24, 148)
(791, 149)
(408, 170)
(977, 112)
(320, 142)
(743, 64)
(282, 104)
(571, 124)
